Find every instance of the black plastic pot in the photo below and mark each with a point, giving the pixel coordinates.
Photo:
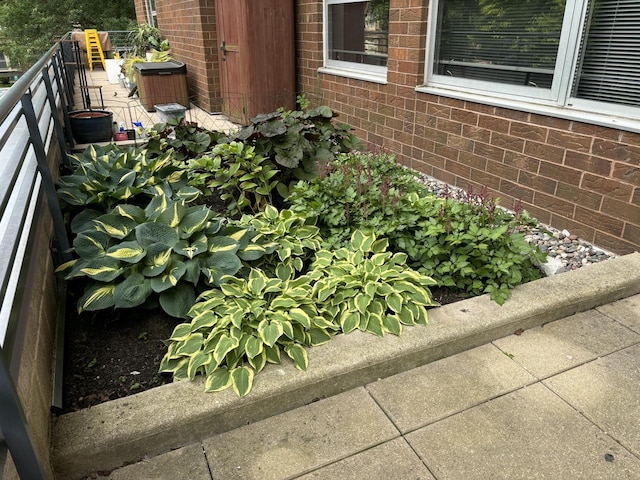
(91, 126)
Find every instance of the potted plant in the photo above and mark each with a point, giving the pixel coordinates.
(145, 39)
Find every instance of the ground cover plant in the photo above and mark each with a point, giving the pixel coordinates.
(275, 239)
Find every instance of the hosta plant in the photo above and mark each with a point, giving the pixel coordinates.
(132, 256)
(365, 287)
(290, 236)
(242, 325)
(106, 176)
(237, 174)
(245, 323)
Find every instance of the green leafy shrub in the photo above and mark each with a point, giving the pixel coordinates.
(187, 140)
(133, 255)
(245, 323)
(106, 176)
(470, 245)
(240, 177)
(297, 141)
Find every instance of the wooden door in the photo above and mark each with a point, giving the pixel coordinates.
(230, 33)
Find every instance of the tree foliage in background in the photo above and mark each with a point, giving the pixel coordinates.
(28, 28)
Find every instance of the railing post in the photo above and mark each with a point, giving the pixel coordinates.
(47, 178)
(15, 430)
(57, 124)
(63, 85)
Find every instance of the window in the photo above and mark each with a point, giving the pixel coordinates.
(580, 54)
(152, 18)
(356, 36)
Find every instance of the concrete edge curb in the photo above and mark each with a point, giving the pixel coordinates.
(158, 420)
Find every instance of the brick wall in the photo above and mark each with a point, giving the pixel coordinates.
(568, 174)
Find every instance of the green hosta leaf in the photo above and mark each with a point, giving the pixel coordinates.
(223, 244)
(102, 269)
(349, 321)
(178, 301)
(299, 356)
(270, 332)
(283, 303)
(97, 297)
(361, 242)
(218, 380)
(253, 347)
(84, 220)
(131, 212)
(190, 345)
(242, 378)
(173, 215)
(273, 354)
(92, 244)
(204, 320)
(188, 193)
(114, 225)
(192, 248)
(362, 302)
(318, 336)
(130, 252)
(392, 324)
(252, 252)
(158, 204)
(256, 282)
(300, 316)
(194, 221)
(133, 291)
(150, 233)
(170, 278)
(223, 347)
(219, 264)
(181, 331)
(258, 362)
(394, 300)
(157, 259)
(375, 325)
(406, 315)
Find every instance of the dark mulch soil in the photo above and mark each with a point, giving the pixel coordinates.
(112, 354)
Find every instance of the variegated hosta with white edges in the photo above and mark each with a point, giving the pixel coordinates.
(240, 326)
(133, 255)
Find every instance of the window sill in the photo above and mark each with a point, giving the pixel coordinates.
(356, 74)
(539, 108)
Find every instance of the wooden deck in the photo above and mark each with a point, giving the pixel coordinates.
(127, 110)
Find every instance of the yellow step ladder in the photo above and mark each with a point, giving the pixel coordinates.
(94, 49)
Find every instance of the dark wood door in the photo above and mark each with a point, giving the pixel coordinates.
(230, 32)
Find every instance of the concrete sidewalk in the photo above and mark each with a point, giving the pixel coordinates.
(560, 401)
(461, 398)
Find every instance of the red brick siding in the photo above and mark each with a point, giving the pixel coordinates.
(570, 174)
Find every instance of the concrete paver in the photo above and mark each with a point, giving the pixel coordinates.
(423, 395)
(301, 440)
(625, 311)
(391, 460)
(560, 345)
(607, 392)
(527, 434)
(186, 463)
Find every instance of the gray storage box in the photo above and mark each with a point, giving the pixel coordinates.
(168, 110)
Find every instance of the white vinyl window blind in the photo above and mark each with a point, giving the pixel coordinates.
(609, 62)
(554, 55)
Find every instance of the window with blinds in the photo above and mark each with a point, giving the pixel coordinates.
(566, 56)
(506, 41)
(609, 62)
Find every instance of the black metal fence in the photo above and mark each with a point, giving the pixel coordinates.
(32, 115)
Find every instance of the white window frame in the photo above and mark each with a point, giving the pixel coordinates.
(556, 101)
(360, 71)
(152, 17)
